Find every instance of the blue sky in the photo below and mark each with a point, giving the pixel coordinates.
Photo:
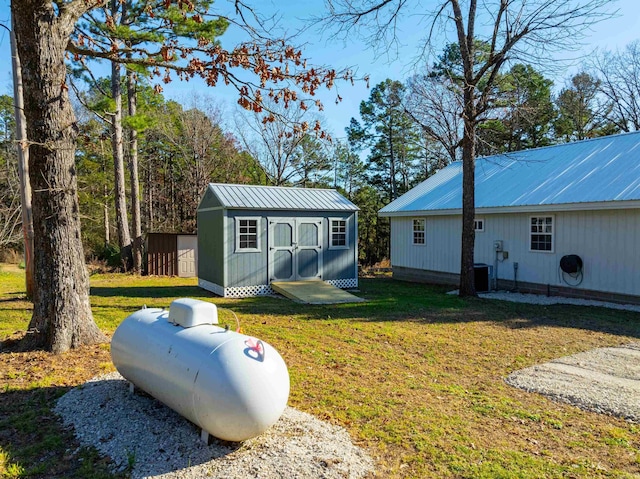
(323, 50)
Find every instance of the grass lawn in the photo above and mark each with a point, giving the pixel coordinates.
(414, 375)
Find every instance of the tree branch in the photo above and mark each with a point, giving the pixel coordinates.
(70, 12)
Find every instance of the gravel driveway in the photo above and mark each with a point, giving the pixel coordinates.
(603, 380)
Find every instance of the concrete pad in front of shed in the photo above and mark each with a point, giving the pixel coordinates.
(603, 380)
(313, 292)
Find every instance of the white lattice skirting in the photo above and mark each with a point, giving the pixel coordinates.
(263, 289)
(236, 292)
(248, 291)
(343, 283)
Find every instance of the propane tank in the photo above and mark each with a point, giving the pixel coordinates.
(231, 385)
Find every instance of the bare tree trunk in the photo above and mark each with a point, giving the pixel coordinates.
(105, 207)
(135, 181)
(470, 113)
(122, 223)
(23, 165)
(133, 160)
(467, 285)
(62, 316)
(392, 166)
(172, 196)
(105, 198)
(149, 192)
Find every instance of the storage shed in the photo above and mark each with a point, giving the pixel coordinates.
(172, 254)
(578, 201)
(250, 236)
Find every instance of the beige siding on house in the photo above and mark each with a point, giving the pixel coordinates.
(437, 254)
(606, 240)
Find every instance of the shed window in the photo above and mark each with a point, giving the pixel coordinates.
(541, 232)
(419, 230)
(247, 231)
(478, 224)
(339, 238)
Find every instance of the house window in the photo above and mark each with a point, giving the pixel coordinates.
(419, 230)
(541, 231)
(339, 238)
(478, 224)
(247, 234)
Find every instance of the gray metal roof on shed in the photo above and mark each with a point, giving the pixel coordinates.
(254, 197)
(602, 172)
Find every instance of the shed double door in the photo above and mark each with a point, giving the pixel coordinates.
(295, 249)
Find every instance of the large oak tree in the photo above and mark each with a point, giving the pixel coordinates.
(62, 316)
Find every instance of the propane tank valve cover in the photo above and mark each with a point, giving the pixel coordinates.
(188, 312)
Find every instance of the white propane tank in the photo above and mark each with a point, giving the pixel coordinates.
(231, 385)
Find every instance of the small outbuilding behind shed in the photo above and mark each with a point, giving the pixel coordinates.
(250, 236)
(172, 254)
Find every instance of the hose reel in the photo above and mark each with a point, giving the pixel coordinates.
(571, 266)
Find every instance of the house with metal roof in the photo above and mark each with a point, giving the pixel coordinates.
(250, 236)
(562, 219)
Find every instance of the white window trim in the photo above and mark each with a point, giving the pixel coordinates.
(346, 233)
(553, 233)
(479, 230)
(258, 221)
(413, 232)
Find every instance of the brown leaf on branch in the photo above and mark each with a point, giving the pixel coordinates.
(165, 53)
(244, 103)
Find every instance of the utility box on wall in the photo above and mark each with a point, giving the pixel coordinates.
(481, 277)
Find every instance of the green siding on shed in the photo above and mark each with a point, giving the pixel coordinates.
(245, 268)
(211, 263)
(209, 200)
(251, 268)
(340, 263)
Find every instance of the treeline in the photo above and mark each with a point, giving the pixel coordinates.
(406, 132)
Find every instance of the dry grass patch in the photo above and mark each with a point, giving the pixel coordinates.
(415, 376)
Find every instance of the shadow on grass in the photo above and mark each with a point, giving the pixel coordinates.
(35, 442)
(391, 300)
(590, 318)
(14, 296)
(150, 291)
(397, 301)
